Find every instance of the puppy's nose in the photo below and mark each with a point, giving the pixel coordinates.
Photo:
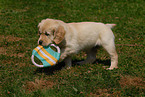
(40, 42)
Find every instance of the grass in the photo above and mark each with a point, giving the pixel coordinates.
(18, 36)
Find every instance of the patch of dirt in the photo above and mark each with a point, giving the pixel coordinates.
(100, 93)
(38, 84)
(132, 81)
(9, 50)
(9, 38)
(18, 55)
(21, 64)
(3, 51)
(103, 92)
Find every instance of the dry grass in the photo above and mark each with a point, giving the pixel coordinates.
(100, 93)
(9, 38)
(11, 50)
(38, 84)
(3, 51)
(127, 81)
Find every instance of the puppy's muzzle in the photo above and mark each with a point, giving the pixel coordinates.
(40, 42)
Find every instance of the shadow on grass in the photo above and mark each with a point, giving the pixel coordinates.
(104, 62)
(97, 61)
(61, 65)
(50, 70)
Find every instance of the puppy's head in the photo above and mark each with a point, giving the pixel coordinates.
(51, 31)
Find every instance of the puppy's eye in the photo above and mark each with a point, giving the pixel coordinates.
(47, 34)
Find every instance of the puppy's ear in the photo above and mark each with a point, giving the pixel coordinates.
(59, 35)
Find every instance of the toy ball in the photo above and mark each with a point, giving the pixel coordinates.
(46, 55)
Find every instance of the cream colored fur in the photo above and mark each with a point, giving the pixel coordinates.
(75, 37)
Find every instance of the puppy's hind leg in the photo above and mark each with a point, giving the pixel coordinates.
(110, 48)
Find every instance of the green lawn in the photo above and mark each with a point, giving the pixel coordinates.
(18, 36)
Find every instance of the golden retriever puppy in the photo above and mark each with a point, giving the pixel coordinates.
(75, 37)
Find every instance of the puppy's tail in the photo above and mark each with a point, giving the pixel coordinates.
(111, 25)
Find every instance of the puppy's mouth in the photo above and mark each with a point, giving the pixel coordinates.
(43, 43)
